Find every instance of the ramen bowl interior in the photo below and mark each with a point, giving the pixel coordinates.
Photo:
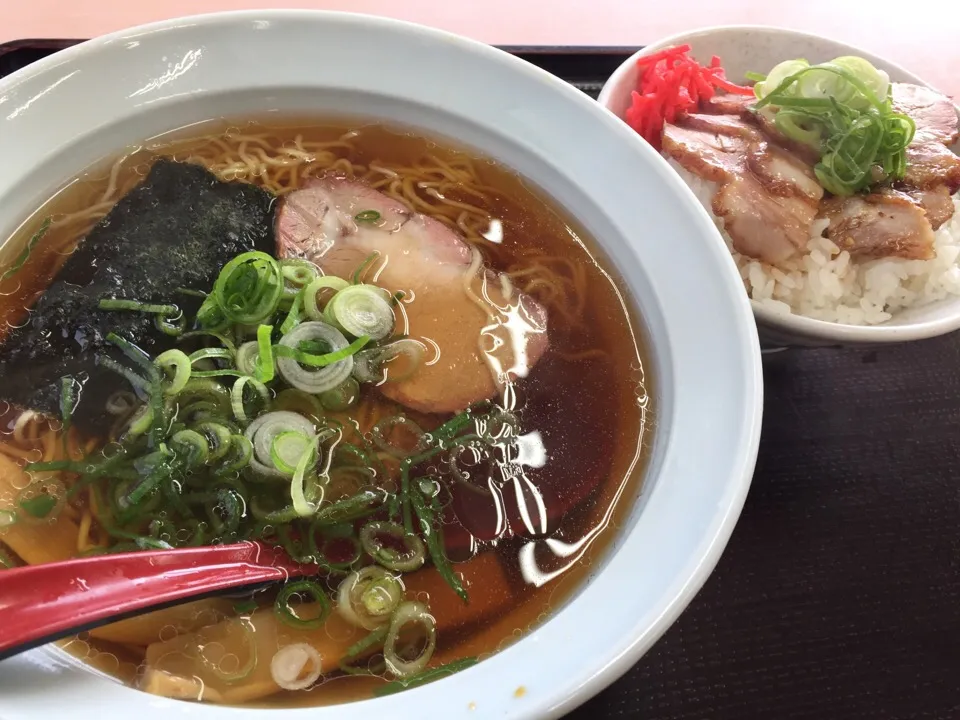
(683, 440)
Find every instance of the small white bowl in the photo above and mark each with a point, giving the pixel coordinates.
(88, 102)
(744, 48)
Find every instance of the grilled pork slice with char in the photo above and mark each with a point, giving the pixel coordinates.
(879, 225)
(767, 196)
(933, 169)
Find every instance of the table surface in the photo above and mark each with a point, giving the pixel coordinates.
(920, 35)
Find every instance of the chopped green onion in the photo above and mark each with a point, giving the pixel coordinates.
(452, 427)
(299, 402)
(310, 293)
(296, 667)
(160, 426)
(384, 428)
(193, 445)
(218, 437)
(288, 448)
(25, 253)
(135, 354)
(293, 317)
(367, 216)
(39, 506)
(149, 543)
(425, 677)
(332, 554)
(246, 607)
(207, 391)
(841, 109)
(387, 556)
(190, 293)
(219, 337)
(247, 357)
(300, 503)
(265, 369)
(358, 273)
(367, 598)
(364, 503)
(241, 451)
(410, 613)
(217, 373)
(167, 318)
(360, 649)
(153, 468)
(238, 401)
(262, 432)
(288, 615)
(179, 363)
(371, 365)
(131, 377)
(305, 358)
(249, 288)
(224, 513)
(362, 310)
(210, 316)
(298, 272)
(343, 397)
(211, 354)
(173, 328)
(328, 375)
(169, 311)
(429, 513)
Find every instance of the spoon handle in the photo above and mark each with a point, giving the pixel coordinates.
(41, 603)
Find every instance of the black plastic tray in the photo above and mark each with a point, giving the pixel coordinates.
(839, 594)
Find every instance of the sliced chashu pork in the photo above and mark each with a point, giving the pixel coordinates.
(727, 104)
(930, 162)
(879, 225)
(932, 112)
(767, 196)
(431, 265)
(930, 165)
(936, 203)
(742, 107)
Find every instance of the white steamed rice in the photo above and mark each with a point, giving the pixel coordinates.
(824, 283)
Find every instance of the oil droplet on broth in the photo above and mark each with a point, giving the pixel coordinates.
(108, 662)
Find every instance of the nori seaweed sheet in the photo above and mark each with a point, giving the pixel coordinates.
(176, 229)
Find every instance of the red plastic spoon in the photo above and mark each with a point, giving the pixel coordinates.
(42, 603)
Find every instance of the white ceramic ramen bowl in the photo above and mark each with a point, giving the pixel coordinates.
(746, 48)
(63, 113)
